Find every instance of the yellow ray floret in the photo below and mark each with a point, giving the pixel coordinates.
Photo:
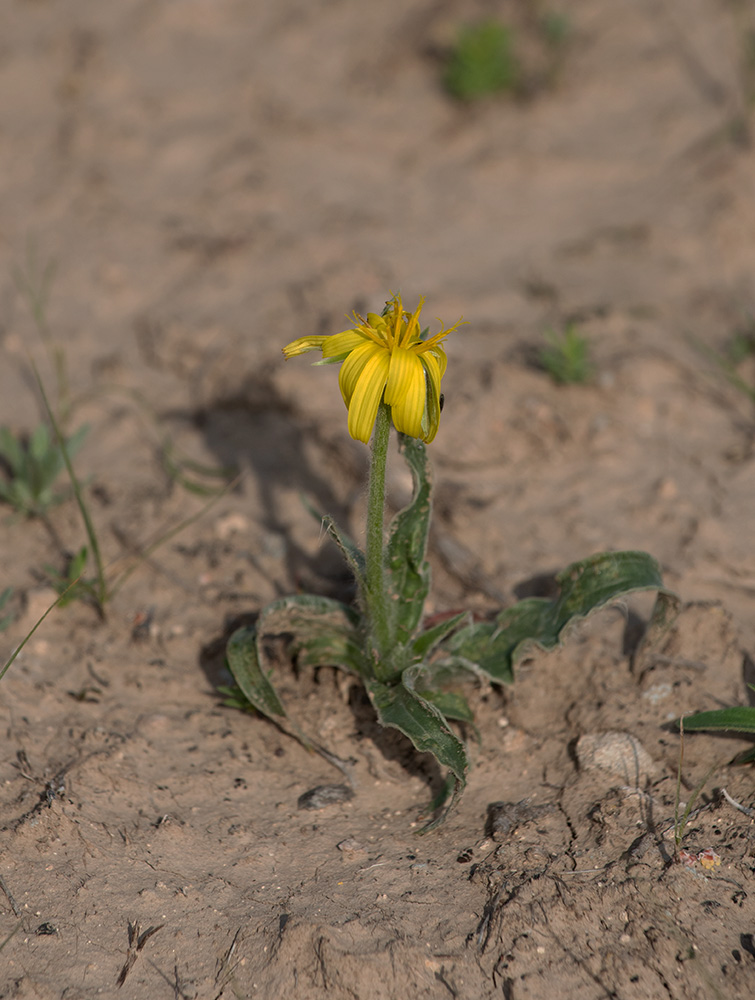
(385, 358)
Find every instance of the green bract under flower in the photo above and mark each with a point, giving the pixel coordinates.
(385, 358)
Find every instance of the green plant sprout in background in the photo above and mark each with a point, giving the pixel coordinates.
(32, 468)
(740, 349)
(391, 372)
(566, 356)
(34, 280)
(482, 62)
(72, 585)
(490, 57)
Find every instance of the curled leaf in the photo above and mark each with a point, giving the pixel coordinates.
(586, 586)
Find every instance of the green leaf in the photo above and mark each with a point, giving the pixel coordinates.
(5, 596)
(35, 464)
(78, 563)
(309, 617)
(437, 682)
(233, 697)
(739, 719)
(75, 441)
(39, 443)
(331, 650)
(450, 704)
(244, 664)
(349, 550)
(408, 570)
(11, 451)
(323, 630)
(595, 582)
(495, 647)
(426, 641)
(406, 710)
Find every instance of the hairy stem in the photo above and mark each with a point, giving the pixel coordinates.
(377, 597)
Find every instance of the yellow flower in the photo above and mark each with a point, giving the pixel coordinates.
(385, 358)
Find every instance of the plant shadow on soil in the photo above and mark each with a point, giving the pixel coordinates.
(356, 719)
(256, 429)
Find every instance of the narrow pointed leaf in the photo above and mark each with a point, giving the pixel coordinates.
(349, 550)
(11, 451)
(426, 641)
(739, 719)
(39, 443)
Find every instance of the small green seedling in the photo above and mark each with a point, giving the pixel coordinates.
(566, 356)
(482, 62)
(72, 585)
(741, 346)
(32, 467)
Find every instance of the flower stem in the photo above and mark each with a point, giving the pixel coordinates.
(376, 597)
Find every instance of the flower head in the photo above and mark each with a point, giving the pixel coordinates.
(385, 358)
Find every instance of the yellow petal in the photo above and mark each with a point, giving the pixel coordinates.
(302, 345)
(406, 391)
(367, 395)
(353, 366)
(340, 344)
(412, 331)
(375, 321)
(434, 368)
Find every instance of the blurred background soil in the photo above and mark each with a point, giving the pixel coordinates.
(185, 187)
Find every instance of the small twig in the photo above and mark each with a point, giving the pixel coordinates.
(136, 941)
(225, 969)
(11, 900)
(738, 805)
(15, 931)
(584, 871)
(378, 864)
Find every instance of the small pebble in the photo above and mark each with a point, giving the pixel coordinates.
(325, 795)
(350, 846)
(620, 754)
(233, 523)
